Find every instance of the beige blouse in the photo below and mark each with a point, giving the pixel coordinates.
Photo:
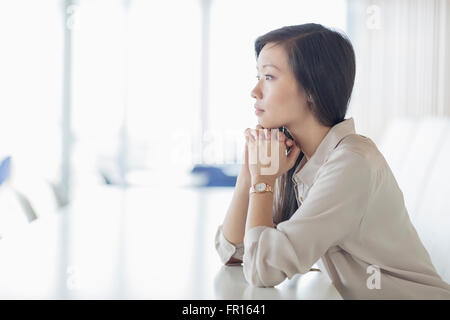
(351, 221)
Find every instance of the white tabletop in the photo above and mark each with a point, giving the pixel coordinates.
(135, 243)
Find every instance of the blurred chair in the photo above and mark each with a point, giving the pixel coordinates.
(37, 196)
(15, 210)
(5, 169)
(12, 214)
(28, 210)
(418, 152)
(216, 176)
(24, 197)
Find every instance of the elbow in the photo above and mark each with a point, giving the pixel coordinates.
(264, 279)
(255, 281)
(258, 272)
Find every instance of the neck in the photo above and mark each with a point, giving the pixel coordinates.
(308, 135)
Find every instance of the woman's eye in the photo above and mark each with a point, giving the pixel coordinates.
(266, 75)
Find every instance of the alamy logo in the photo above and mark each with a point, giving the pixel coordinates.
(373, 21)
(73, 278)
(374, 281)
(273, 160)
(265, 152)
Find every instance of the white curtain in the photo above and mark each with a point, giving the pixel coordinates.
(31, 42)
(403, 61)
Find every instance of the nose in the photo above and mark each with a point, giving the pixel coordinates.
(256, 92)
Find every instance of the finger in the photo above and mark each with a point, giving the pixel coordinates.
(259, 134)
(267, 135)
(248, 134)
(247, 131)
(254, 134)
(281, 136)
(274, 135)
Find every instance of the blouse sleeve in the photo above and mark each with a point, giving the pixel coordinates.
(334, 207)
(228, 252)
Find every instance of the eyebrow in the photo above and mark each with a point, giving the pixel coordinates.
(269, 65)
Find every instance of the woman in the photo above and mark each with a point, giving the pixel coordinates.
(335, 201)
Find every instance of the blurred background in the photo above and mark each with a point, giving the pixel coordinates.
(137, 95)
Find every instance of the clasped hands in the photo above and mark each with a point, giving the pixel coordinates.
(267, 158)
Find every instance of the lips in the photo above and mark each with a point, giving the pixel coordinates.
(258, 109)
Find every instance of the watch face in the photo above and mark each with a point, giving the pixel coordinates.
(260, 186)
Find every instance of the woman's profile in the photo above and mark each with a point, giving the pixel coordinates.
(333, 199)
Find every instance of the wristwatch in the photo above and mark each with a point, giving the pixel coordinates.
(260, 187)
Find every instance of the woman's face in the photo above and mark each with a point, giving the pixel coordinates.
(276, 91)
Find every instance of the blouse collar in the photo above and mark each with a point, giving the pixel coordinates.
(338, 132)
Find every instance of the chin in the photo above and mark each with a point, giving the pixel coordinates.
(268, 124)
(263, 123)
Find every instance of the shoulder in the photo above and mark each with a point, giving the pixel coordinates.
(355, 158)
(360, 150)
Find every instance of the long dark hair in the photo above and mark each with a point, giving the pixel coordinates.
(323, 62)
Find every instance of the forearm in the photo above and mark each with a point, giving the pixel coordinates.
(260, 212)
(234, 222)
